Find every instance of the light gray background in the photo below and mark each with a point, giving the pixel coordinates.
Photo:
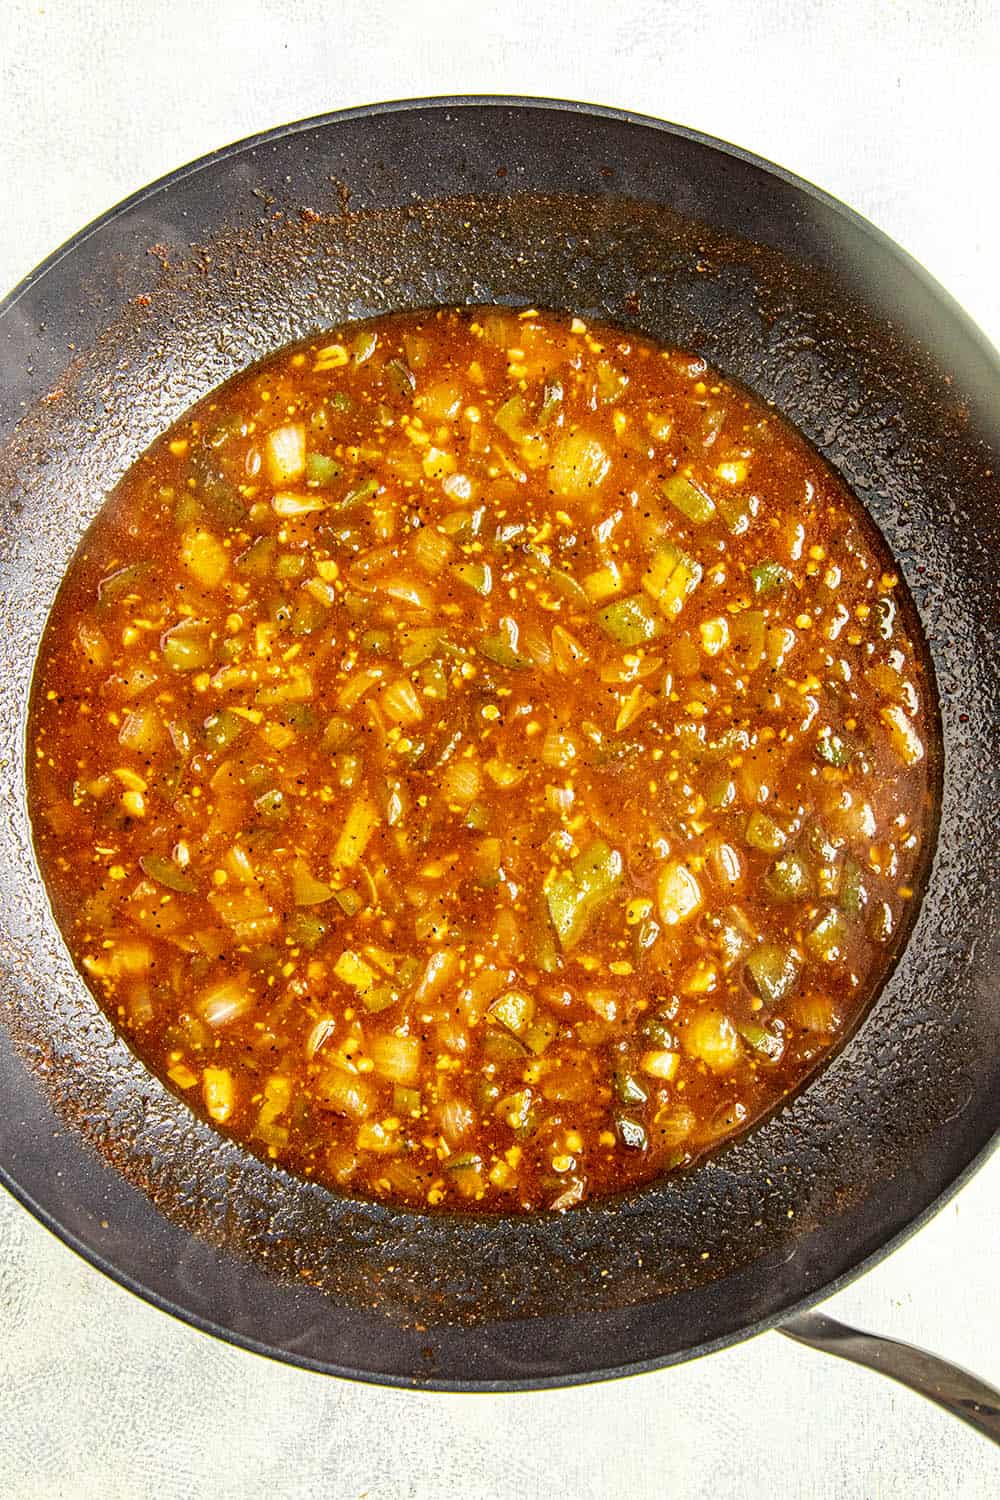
(891, 106)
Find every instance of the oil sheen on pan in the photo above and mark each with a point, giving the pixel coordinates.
(481, 758)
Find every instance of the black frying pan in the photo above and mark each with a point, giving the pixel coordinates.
(694, 243)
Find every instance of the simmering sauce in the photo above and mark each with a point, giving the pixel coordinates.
(478, 758)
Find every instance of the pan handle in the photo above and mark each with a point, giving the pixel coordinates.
(964, 1395)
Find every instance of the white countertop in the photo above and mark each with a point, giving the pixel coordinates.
(893, 107)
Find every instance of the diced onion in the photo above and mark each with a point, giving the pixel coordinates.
(401, 702)
(455, 1119)
(431, 550)
(678, 893)
(224, 1002)
(461, 782)
(285, 453)
(397, 1058)
(288, 503)
(712, 1038)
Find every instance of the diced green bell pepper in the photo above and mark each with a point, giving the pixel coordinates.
(223, 728)
(692, 502)
(774, 970)
(852, 896)
(768, 578)
(502, 647)
(165, 872)
(833, 749)
(789, 878)
(764, 834)
(764, 1042)
(630, 621)
(579, 892)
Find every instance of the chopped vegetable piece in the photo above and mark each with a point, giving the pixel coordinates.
(671, 577)
(678, 893)
(165, 872)
(142, 730)
(774, 971)
(475, 575)
(630, 621)
(736, 510)
(224, 728)
(763, 833)
(225, 1002)
(566, 586)
(631, 1133)
(358, 493)
(285, 453)
(220, 1093)
(514, 1010)
(405, 1101)
(510, 418)
(420, 645)
(789, 878)
(825, 941)
(120, 584)
(603, 583)
(721, 793)
(353, 970)
(540, 1035)
(578, 893)
(767, 1043)
(306, 929)
(881, 923)
(711, 1038)
(691, 501)
(580, 465)
(186, 648)
(256, 560)
(271, 806)
(734, 935)
(503, 647)
(552, 401)
(321, 470)
(400, 378)
(902, 736)
(660, 1064)
(833, 749)
(290, 503)
(611, 382)
(401, 703)
(749, 630)
(822, 845)
(346, 1093)
(852, 896)
(768, 578)
(431, 550)
(364, 346)
(205, 558)
(350, 901)
(629, 1089)
(397, 1058)
(306, 889)
(359, 826)
(487, 861)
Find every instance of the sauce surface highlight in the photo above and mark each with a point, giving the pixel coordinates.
(479, 758)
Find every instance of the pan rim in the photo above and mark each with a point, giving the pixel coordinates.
(239, 147)
(970, 331)
(510, 1385)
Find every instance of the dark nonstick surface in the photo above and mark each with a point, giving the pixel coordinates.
(695, 244)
